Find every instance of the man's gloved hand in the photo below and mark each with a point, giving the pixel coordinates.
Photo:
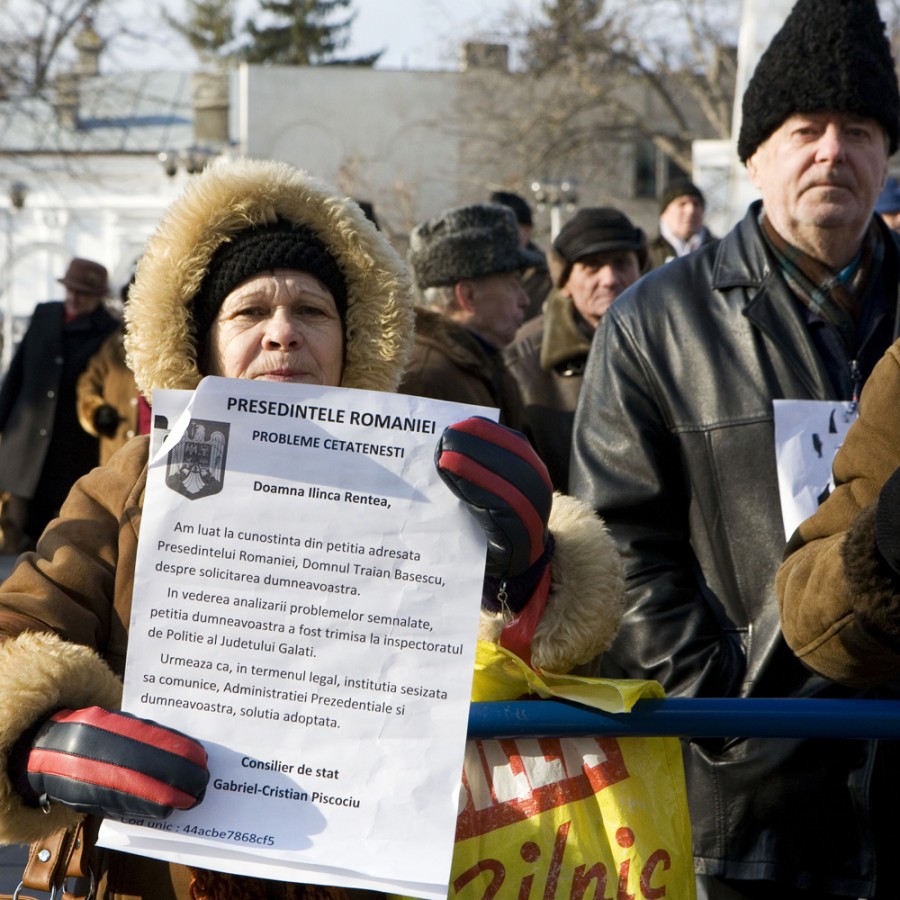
(887, 522)
(497, 474)
(106, 420)
(115, 764)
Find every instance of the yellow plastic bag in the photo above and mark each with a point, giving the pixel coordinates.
(571, 818)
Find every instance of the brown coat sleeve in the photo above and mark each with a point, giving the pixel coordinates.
(839, 602)
(64, 613)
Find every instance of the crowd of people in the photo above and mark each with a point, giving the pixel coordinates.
(640, 379)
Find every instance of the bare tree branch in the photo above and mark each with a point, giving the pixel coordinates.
(35, 41)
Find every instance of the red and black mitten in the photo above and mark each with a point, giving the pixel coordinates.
(115, 764)
(497, 474)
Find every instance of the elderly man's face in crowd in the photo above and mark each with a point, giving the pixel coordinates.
(683, 216)
(497, 305)
(278, 326)
(80, 304)
(596, 281)
(821, 171)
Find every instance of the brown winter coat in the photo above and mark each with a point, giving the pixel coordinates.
(839, 603)
(66, 607)
(547, 359)
(108, 380)
(450, 363)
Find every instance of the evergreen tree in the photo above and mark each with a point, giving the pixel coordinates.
(302, 33)
(208, 27)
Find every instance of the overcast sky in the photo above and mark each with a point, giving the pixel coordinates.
(425, 34)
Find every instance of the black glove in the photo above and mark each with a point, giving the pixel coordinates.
(115, 764)
(497, 474)
(887, 523)
(106, 420)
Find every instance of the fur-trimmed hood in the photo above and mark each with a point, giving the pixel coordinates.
(230, 197)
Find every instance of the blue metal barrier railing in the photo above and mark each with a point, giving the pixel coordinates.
(691, 717)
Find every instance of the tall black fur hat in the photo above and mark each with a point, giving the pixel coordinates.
(829, 56)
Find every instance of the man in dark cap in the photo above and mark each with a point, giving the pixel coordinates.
(682, 207)
(596, 255)
(44, 449)
(468, 266)
(674, 446)
(536, 278)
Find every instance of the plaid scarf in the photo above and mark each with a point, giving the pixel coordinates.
(838, 297)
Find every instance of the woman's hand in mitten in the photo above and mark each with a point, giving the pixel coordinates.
(115, 764)
(497, 474)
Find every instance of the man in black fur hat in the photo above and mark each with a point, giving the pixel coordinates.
(674, 447)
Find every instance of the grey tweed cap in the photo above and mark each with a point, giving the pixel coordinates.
(468, 242)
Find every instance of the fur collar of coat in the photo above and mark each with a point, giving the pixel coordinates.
(563, 340)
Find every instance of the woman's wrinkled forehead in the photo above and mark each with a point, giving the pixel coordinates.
(295, 281)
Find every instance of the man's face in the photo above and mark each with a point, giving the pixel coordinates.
(497, 304)
(596, 280)
(683, 216)
(80, 304)
(821, 172)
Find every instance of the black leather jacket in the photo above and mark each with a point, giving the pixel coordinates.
(674, 447)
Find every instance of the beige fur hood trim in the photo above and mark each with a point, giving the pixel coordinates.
(229, 197)
(39, 674)
(587, 591)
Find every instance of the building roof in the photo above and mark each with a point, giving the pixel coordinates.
(129, 112)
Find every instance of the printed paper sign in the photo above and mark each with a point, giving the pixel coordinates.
(808, 434)
(306, 604)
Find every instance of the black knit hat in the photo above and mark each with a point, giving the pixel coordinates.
(829, 56)
(519, 206)
(680, 188)
(277, 246)
(468, 242)
(597, 229)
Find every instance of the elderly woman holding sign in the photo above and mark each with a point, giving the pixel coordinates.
(257, 272)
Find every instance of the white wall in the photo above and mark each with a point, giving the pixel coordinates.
(382, 136)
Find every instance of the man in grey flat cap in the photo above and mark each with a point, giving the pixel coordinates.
(468, 266)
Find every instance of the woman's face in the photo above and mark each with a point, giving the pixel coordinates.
(281, 325)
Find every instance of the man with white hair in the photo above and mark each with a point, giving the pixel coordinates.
(468, 264)
(674, 446)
